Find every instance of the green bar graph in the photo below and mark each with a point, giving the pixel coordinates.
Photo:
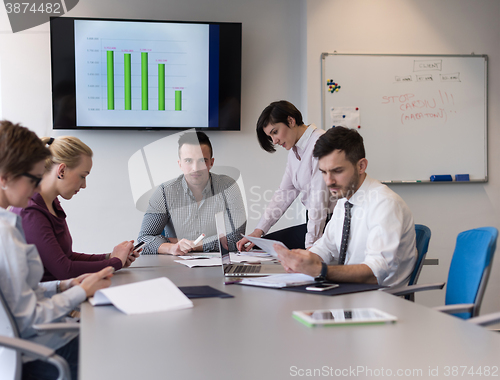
(111, 79)
(178, 100)
(144, 80)
(161, 87)
(128, 81)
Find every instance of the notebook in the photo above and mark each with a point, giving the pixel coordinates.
(238, 270)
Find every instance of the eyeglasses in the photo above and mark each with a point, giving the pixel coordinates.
(36, 180)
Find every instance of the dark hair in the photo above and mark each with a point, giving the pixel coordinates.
(195, 138)
(20, 149)
(341, 138)
(274, 113)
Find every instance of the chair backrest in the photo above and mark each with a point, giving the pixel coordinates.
(423, 236)
(470, 268)
(10, 360)
(12, 347)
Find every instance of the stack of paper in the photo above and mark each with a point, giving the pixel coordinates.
(280, 280)
(212, 262)
(147, 296)
(198, 261)
(244, 258)
(256, 253)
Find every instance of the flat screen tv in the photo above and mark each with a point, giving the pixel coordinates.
(137, 74)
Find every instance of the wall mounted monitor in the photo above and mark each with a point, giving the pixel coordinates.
(137, 74)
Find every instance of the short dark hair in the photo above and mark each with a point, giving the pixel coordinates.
(195, 138)
(20, 149)
(343, 139)
(274, 113)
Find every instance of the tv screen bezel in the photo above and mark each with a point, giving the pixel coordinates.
(63, 70)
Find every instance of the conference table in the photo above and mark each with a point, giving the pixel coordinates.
(253, 336)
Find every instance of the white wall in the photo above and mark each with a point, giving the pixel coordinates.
(282, 43)
(422, 27)
(104, 214)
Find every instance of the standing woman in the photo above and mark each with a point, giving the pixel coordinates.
(22, 161)
(44, 220)
(281, 124)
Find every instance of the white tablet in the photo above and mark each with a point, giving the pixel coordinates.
(327, 317)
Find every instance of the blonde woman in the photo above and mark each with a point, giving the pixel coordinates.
(44, 220)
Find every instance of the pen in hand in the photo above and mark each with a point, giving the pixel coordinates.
(199, 239)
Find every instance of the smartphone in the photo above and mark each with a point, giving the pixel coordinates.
(321, 287)
(138, 245)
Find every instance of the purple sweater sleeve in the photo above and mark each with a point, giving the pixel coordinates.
(59, 263)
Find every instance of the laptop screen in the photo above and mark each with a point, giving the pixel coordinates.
(222, 237)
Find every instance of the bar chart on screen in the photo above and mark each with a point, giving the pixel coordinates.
(145, 75)
(135, 72)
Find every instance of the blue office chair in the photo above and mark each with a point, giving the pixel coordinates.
(423, 236)
(468, 275)
(469, 271)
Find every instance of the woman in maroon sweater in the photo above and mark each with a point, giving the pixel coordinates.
(44, 220)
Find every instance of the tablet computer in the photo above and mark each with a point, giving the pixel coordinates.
(329, 317)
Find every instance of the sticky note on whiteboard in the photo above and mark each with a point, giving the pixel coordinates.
(345, 116)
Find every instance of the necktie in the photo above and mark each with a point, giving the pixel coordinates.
(345, 233)
(294, 148)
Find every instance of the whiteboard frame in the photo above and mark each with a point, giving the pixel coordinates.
(472, 55)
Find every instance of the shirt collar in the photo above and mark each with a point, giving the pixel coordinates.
(206, 191)
(12, 218)
(360, 195)
(9, 216)
(208, 188)
(302, 143)
(56, 204)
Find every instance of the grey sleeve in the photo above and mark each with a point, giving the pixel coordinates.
(154, 222)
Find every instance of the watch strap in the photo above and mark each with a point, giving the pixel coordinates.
(323, 273)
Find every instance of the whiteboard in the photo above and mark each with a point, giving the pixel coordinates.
(419, 115)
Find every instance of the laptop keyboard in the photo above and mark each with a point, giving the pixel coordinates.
(243, 269)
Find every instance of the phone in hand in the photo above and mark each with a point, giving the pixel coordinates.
(321, 287)
(138, 246)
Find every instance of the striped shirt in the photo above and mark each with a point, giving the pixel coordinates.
(174, 212)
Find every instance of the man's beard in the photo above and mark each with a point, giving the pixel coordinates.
(349, 190)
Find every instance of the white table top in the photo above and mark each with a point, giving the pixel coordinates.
(253, 336)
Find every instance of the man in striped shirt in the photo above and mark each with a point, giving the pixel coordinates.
(182, 209)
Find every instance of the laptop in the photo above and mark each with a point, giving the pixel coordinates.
(239, 270)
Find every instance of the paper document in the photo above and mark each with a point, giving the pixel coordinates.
(266, 244)
(196, 257)
(280, 280)
(244, 258)
(159, 294)
(212, 262)
(256, 253)
(215, 261)
(345, 116)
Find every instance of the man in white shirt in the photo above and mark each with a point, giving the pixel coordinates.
(371, 236)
